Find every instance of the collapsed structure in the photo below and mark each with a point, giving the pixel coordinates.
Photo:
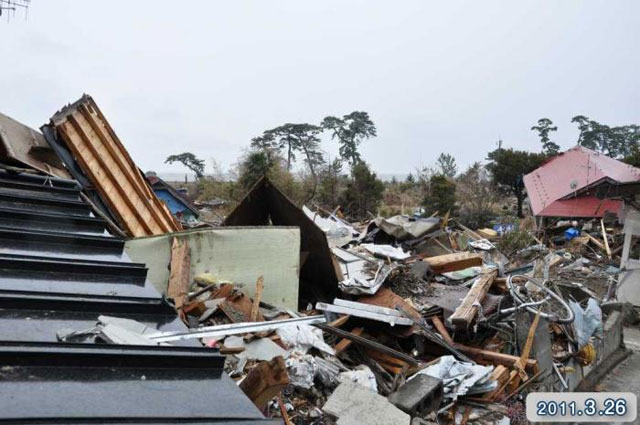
(318, 320)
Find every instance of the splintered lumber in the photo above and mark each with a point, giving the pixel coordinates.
(466, 312)
(265, 381)
(604, 238)
(442, 330)
(103, 158)
(387, 362)
(501, 375)
(345, 343)
(492, 357)
(526, 351)
(595, 241)
(178, 286)
(452, 262)
(283, 411)
(255, 309)
(339, 321)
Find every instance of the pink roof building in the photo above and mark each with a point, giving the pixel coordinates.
(562, 186)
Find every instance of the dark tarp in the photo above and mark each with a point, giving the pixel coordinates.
(265, 204)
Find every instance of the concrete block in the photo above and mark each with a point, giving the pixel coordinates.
(421, 395)
(353, 404)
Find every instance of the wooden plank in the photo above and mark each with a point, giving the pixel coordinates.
(491, 357)
(595, 241)
(345, 343)
(340, 321)
(452, 262)
(466, 312)
(501, 375)
(265, 381)
(255, 309)
(604, 238)
(180, 268)
(526, 351)
(283, 411)
(442, 330)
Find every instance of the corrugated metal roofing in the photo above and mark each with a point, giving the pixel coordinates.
(558, 187)
(59, 270)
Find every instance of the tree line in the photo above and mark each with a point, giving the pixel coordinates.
(349, 183)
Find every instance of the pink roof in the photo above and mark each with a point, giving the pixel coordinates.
(569, 175)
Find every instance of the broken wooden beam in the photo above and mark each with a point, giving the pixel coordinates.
(604, 238)
(344, 343)
(255, 309)
(452, 262)
(442, 330)
(466, 312)
(179, 282)
(265, 381)
(492, 357)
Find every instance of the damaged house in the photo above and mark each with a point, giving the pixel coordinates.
(564, 186)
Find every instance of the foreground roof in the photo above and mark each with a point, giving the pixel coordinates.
(560, 187)
(61, 270)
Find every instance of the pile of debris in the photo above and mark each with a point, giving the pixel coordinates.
(399, 319)
(432, 321)
(458, 336)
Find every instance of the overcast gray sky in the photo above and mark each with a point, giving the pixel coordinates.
(207, 76)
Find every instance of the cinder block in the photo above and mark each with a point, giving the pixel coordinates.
(420, 395)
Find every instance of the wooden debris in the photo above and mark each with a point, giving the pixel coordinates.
(178, 286)
(238, 309)
(368, 343)
(345, 343)
(231, 350)
(491, 357)
(466, 312)
(283, 411)
(594, 240)
(105, 161)
(385, 297)
(501, 375)
(500, 285)
(339, 321)
(486, 233)
(604, 238)
(389, 363)
(265, 381)
(526, 351)
(452, 262)
(442, 330)
(255, 309)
